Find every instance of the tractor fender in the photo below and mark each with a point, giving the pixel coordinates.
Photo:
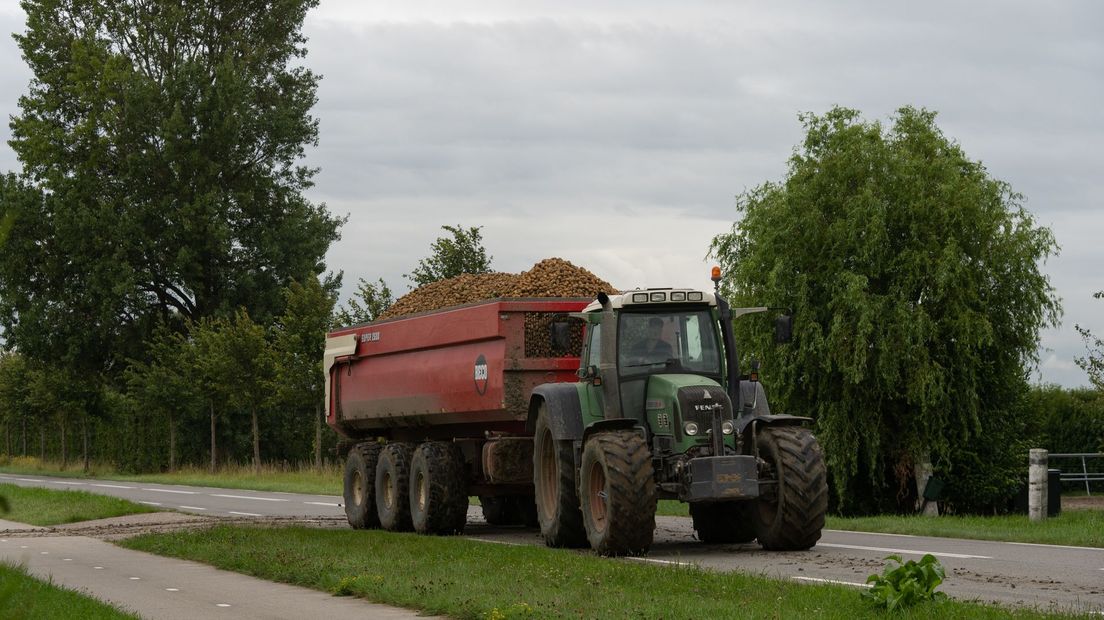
(744, 422)
(616, 424)
(565, 414)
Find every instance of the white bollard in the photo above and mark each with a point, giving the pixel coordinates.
(1037, 485)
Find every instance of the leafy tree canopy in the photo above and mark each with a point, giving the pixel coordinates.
(462, 252)
(370, 300)
(1093, 362)
(162, 141)
(917, 295)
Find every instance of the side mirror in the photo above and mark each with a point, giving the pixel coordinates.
(783, 329)
(561, 336)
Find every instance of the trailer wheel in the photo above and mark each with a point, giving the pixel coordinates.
(561, 523)
(438, 489)
(360, 486)
(793, 497)
(393, 486)
(618, 493)
(724, 522)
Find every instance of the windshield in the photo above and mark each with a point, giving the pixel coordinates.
(679, 341)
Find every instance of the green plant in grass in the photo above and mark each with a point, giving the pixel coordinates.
(907, 584)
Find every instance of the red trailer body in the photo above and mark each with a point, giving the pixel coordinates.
(452, 373)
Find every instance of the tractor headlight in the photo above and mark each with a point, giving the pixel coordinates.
(691, 428)
(727, 427)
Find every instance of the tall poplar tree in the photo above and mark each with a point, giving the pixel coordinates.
(918, 299)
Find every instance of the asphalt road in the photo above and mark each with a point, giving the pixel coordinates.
(1045, 576)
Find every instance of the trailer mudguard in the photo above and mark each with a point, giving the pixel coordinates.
(565, 413)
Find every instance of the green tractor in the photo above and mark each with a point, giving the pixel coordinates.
(661, 411)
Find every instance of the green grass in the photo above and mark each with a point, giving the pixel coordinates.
(470, 579)
(49, 507)
(270, 478)
(25, 597)
(1081, 528)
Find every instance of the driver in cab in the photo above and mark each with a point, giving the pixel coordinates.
(652, 349)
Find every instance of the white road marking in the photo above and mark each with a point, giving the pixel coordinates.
(113, 486)
(22, 546)
(655, 561)
(28, 480)
(172, 491)
(193, 508)
(70, 483)
(909, 551)
(835, 581)
(43, 553)
(150, 503)
(497, 542)
(135, 578)
(67, 559)
(1023, 544)
(244, 514)
(98, 567)
(172, 589)
(223, 604)
(321, 504)
(263, 499)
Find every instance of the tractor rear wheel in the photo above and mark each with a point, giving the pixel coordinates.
(393, 487)
(438, 490)
(793, 489)
(724, 522)
(360, 485)
(561, 523)
(618, 494)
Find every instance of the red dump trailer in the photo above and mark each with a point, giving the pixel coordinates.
(458, 380)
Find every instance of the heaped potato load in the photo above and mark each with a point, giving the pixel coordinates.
(551, 277)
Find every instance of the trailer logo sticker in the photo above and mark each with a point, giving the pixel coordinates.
(481, 374)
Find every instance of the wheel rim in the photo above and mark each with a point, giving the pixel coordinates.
(548, 474)
(422, 494)
(358, 488)
(388, 492)
(596, 491)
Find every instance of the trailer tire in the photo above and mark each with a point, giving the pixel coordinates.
(617, 489)
(393, 487)
(790, 516)
(360, 485)
(438, 489)
(561, 523)
(723, 522)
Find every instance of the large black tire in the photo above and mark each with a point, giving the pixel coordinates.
(561, 523)
(793, 495)
(393, 487)
(438, 489)
(724, 522)
(617, 493)
(360, 486)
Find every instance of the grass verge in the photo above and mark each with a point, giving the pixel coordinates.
(470, 579)
(291, 479)
(25, 597)
(49, 507)
(1080, 528)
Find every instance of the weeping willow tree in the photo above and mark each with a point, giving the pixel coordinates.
(915, 281)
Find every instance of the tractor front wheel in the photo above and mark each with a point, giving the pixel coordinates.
(618, 495)
(793, 489)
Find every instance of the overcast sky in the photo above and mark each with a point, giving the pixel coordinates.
(617, 134)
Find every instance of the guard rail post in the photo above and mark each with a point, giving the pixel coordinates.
(1037, 485)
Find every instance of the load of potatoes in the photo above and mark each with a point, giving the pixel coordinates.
(551, 277)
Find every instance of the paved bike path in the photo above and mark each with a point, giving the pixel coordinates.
(157, 587)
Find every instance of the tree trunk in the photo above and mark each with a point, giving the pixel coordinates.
(214, 461)
(64, 444)
(922, 471)
(172, 443)
(318, 437)
(256, 443)
(84, 447)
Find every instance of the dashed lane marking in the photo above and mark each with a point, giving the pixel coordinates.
(497, 542)
(172, 491)
(69, 483)
(244, 514)
(150, 503)
(872, 533)
(222, 604)
(321, 504)
(193, 508)
(835, 581)
(113, 486)
(28, 480)
(172, 589)
(962, 556)
(135, 578)
(263, 499)
(1023, 544)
